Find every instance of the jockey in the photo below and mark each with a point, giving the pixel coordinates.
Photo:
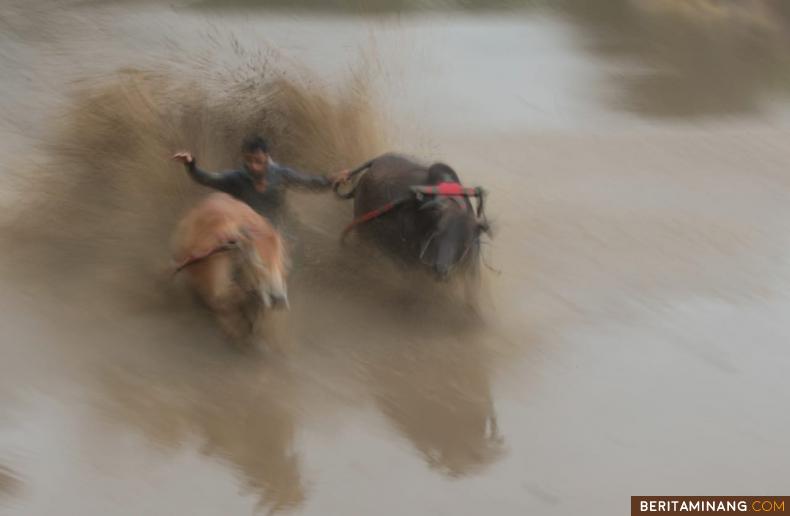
(262, 182)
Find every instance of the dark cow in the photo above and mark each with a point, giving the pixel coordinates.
(441, 231)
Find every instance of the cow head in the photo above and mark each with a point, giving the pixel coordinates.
(263, 271)
(452, 235)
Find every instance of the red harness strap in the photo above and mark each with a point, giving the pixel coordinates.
(192, 259)
(447, 189)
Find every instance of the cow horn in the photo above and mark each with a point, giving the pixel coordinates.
(481, 197)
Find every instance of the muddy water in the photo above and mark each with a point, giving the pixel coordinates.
(632, 340)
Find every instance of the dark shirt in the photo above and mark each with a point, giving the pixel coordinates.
(241, 185)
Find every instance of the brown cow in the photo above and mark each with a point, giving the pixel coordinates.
(235, 261)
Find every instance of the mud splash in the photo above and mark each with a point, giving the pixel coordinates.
(91, 247)
(108, 194)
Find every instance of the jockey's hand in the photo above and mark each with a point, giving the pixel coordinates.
(184, 157)
(340, 177)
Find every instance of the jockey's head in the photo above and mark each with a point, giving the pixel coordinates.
(256, 155)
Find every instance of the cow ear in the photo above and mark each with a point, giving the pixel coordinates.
(429, 205)
(439, 173)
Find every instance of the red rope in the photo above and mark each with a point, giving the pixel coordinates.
(372, 214)
(442, 189)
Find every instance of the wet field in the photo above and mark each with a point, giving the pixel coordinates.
(632, 331)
